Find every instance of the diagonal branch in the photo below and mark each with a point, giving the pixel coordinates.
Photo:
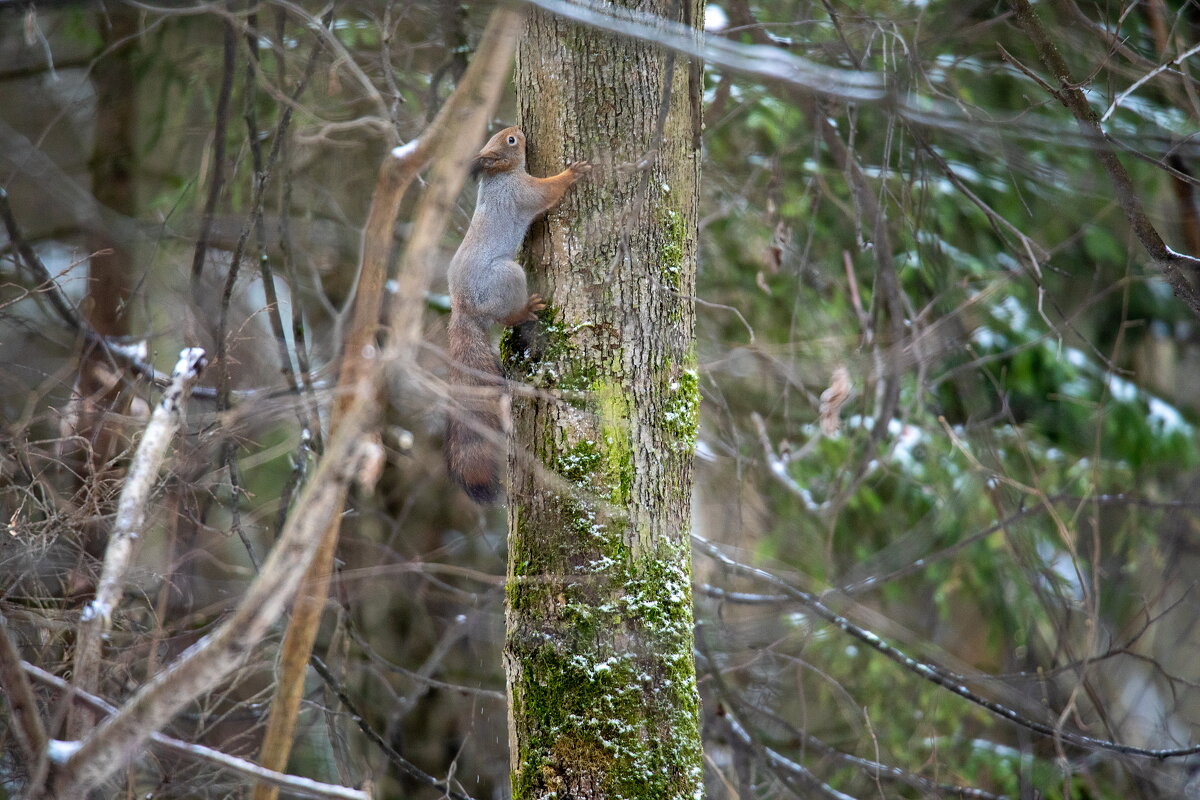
(938, 675)
(1169, 262)
(96, 618)
(359, 717)
(463, 116)
(739, 710)
(202, 666)
(301, 787)
(27, 725)
(133, 355)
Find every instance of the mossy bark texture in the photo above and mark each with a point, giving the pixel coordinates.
(601, 675)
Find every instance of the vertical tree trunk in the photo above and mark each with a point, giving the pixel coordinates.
(110, 267)
(113, 160)
(599, 659)
(98, 398)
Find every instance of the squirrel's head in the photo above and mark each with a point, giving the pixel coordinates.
(504, 152)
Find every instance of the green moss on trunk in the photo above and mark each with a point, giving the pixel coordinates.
(607, 682)
(600, 628)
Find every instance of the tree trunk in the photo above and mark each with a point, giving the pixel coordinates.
(601, 675)
(111, 265)
(94, 417)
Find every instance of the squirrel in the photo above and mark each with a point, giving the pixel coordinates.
(488, 287)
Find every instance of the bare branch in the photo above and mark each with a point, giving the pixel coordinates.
(201, 667)
(933, 673)
(401, 763)
(26, 722)
(1133, 87)
(465, 111)
(134, 356)
(262, 176)
(217, 172)
(1169, 262)
(763, 61)
(305, 787)
(739, 708)
(96, 618)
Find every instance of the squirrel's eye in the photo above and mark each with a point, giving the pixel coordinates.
(512, 140)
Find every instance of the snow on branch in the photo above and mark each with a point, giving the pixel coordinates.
(96, 618)
(119, 738)
(1175, 266)
(302, 787)
(934, 673)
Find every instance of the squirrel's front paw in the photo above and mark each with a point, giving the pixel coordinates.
(580, 168)
(534, 305)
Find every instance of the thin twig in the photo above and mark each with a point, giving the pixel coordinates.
(404, 765)
(933, 673)
(114, 742)
(1169, 262)
(286, 250)
(261, 171)
(27, 725)
(217, 172)
(464, 111)
(887, 281)
(1133, 87)
(305, 787)
(133, 355)
(63, 307)
(738, 706)
(261, 180)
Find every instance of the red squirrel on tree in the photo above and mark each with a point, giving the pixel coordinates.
(487, 287)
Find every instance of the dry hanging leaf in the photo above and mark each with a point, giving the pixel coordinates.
(832, 400)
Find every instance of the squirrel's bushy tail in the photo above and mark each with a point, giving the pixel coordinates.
(473, 430)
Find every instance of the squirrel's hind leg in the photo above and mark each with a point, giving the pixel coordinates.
(510, 302)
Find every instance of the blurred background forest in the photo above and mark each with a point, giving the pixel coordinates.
(1009, 496)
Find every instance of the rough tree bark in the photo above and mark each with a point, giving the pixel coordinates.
(601, 675)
